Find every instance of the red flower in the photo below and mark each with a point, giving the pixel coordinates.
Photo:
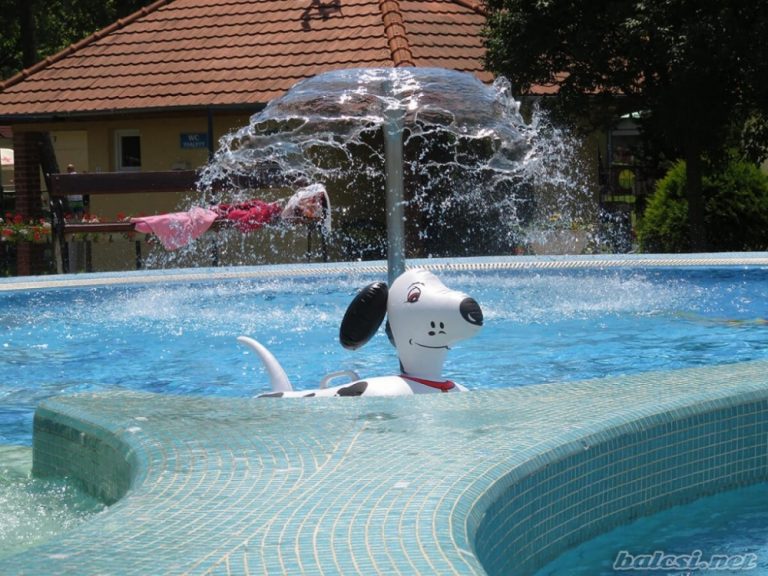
(18, 219)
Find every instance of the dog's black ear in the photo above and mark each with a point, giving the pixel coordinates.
(364, 315)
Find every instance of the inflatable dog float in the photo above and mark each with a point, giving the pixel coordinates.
(424, 319)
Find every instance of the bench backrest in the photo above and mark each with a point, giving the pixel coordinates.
(122, 182)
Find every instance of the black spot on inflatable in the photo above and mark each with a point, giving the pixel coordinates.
(364, 315)
(388, 330)
(356, 389)
(271, 395)
(310, 395)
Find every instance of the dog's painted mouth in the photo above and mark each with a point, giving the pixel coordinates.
(412, 343)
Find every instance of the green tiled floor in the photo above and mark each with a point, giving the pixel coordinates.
(331, 486)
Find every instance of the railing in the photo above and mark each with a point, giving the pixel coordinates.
(85, 185)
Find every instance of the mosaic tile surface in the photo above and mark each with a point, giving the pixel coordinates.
(595, 261)
(354, 485)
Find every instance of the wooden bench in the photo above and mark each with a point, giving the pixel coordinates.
(101, 183)
(86, 185)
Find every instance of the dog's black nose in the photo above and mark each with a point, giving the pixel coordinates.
(471, 312)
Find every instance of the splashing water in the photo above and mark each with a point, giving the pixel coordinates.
(473, 169)
(33, 510)
(540, 326)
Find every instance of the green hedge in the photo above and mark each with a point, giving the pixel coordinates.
(736, 211)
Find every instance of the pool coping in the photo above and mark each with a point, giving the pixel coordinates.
(592, 261)
(364, 485)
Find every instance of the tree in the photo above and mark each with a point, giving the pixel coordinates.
(694, 68)
(33, 29)
(754, 139)
(735, 209)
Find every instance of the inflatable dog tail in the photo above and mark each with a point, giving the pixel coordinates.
(278, 379)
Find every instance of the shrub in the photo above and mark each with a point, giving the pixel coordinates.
(736, 210)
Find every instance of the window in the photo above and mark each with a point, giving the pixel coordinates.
(127, 150)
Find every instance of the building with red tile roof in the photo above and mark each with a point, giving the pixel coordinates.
(199, 54)
(155, 90)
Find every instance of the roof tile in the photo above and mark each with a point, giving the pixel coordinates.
(200, 53)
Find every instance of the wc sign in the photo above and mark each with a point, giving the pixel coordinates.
(192, 140)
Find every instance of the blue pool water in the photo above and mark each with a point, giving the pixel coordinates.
(179, 338)
(722, 534)
(541, 326)
(35, 509)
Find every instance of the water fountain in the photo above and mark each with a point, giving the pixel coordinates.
(438, 148)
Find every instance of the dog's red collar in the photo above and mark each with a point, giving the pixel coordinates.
(442, 386)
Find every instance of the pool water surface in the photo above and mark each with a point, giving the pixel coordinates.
(540, 326)
(35, 509)
(711, 531)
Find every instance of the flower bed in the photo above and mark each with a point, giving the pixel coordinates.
(15, 228)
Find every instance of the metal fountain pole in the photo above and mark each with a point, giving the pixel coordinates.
(393, 161)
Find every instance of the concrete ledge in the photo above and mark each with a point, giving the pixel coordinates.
(441, 484)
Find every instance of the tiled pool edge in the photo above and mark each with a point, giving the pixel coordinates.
(608, 478)
(378, 267)
(227, 486)
(102, 462)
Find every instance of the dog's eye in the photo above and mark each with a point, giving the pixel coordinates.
(413, 295)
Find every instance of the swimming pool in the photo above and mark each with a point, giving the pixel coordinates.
(546, 321)
(542, 324)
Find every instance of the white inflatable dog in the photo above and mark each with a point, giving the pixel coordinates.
(425, 319)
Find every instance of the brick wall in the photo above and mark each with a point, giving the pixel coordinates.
(26, 173)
